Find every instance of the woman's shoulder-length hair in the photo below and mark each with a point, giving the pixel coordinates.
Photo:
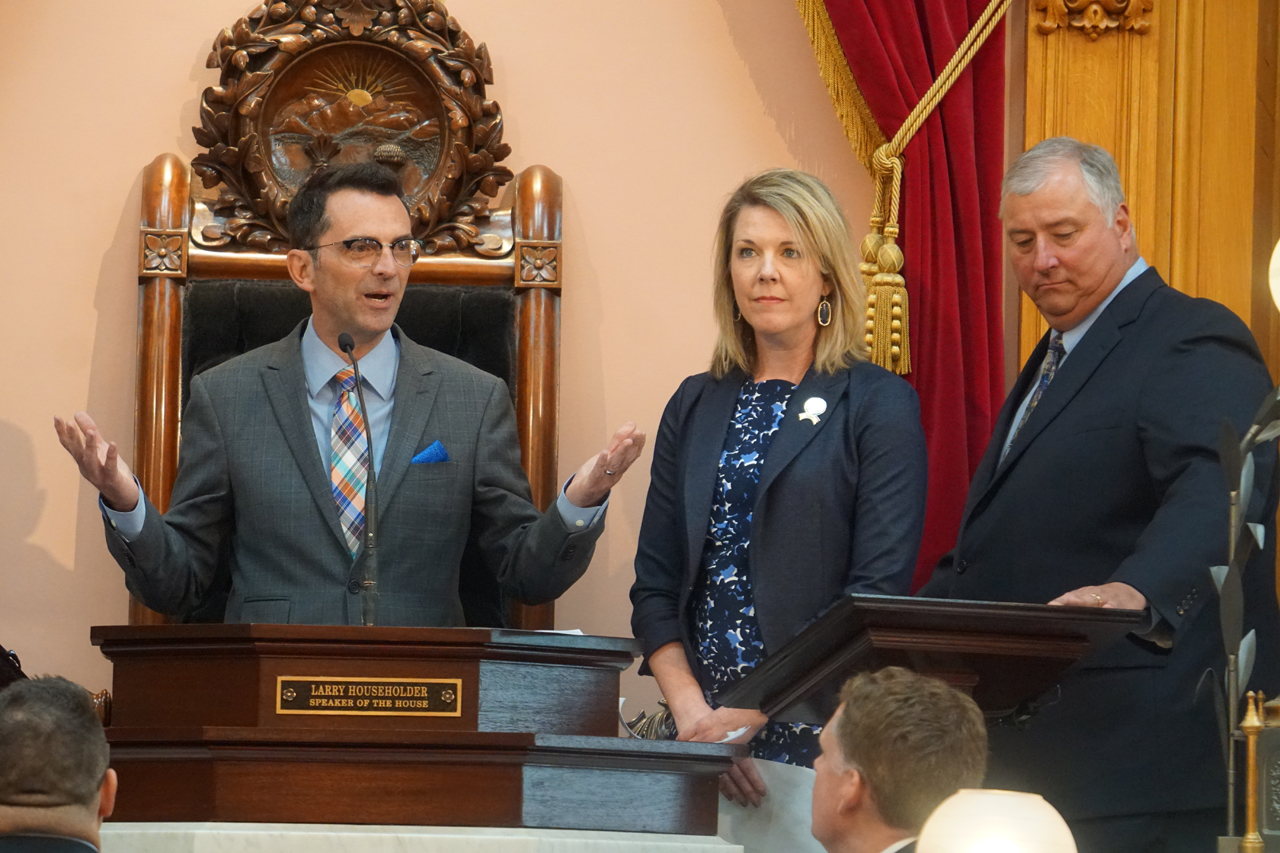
(815, 217)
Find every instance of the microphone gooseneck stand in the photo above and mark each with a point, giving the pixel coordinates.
(369, 578)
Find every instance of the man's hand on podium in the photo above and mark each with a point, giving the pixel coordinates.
(1116, 595)
(99, 461)
(602, 472)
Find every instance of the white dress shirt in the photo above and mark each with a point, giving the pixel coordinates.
(893, 848)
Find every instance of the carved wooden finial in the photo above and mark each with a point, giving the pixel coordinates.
(1095, 17)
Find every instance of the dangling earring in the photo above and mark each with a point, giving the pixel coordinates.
(737, 315)
(824, 312)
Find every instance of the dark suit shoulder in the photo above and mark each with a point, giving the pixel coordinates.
(1209, 315)
(20, 843)
(866, 376)
(864, 381)
(1176, 314)
(876, 392)
(692, 388)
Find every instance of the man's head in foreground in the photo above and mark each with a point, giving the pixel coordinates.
(898, 745)
(54, 778)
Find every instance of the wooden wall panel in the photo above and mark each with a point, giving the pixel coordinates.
(1188, 108)
(1266, 223)
(1187, 105)
(1215, 155)
(1114, 91)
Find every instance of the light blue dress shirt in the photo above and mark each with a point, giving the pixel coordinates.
(1070, 338)
(378, 371)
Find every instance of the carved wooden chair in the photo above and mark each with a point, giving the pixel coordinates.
(306, 82)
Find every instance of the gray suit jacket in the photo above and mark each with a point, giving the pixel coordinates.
(253, 494)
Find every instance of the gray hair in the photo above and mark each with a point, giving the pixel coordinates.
(53, 750)
(1036, 165)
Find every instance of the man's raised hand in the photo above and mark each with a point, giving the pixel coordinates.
(99, 461)
(602, 472)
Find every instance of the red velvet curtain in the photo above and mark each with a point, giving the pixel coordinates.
(950, 234)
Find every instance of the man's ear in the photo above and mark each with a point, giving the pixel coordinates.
(854, 793)
(301, 267)
(107, 794)
(1124, 226)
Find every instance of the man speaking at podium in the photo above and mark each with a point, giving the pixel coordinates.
(274, 461)
(1101, 488)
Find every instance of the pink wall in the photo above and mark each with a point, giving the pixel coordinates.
(651, 112)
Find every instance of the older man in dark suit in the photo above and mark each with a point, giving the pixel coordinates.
(274, 458)
(1101, 488)
(55, 785)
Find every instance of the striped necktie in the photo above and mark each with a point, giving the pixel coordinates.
(350, 466)
(1057, 352)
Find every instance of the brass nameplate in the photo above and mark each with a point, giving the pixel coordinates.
(375, 697)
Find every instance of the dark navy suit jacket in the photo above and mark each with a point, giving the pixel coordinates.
(839, 507)
(44, 844)
(1115, 477)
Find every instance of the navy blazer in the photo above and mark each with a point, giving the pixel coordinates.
(1115, 477)
(26, 843)
(839, 508)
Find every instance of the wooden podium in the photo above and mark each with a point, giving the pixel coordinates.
(1005, 655)
(498, 728)
(415, 726)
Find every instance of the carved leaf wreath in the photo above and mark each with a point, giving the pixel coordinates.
(250, 54)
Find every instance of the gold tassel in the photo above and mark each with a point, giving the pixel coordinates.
(887, 329)
(887, 321)
(887, 317)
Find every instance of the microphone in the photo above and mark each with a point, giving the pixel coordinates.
(369, 582)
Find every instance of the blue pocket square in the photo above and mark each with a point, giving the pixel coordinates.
(434, 453)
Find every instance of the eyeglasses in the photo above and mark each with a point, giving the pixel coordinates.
(365, 251)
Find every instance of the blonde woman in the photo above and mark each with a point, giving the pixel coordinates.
(789, 475)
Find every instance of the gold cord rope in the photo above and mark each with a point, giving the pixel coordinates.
(887, 317)
(855, 116)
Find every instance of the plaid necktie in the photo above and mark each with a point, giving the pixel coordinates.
(350, 468)
(1057, 352)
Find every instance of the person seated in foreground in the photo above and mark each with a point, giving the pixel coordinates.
(55, 785)
(897, 746)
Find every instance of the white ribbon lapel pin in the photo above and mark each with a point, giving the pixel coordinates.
(813, 407)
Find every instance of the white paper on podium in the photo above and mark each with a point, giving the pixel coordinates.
(783, 822)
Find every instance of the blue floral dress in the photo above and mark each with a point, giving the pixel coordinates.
(725, 628)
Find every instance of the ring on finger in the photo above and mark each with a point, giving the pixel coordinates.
(1098, 597)
(609, 473)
